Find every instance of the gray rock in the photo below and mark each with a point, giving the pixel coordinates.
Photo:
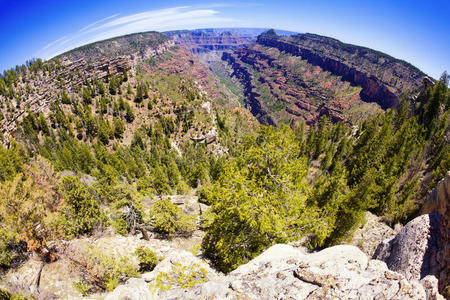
(371, 233)
(133, 289)
(284, 272)
(408, 252)
(422, 247)
(430, 284)
(438, 201)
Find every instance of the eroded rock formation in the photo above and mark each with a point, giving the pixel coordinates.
(285, 272)
(422, 247)
(383, 78)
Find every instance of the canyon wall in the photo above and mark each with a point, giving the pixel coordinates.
(383, 79)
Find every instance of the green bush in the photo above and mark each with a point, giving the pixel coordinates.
(261, 200)
(5, 295)
(11, 160)
(182, 276)
(82, 213)
(147, 259)
(206, 194)
(168, 219)
(206, 219)
(102, 270)
(81, 287)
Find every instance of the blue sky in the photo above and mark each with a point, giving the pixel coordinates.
(416, 31)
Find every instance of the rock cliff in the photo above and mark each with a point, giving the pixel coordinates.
(198, 41)
(383, 78)
(421, 249)
(280, 87)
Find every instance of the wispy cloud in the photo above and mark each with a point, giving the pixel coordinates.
(158, 20)
(97, 22)
(54, 43)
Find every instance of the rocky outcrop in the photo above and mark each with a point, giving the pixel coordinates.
(368, 236)
(438, 200)
(279, 87)
(383, 78)
(409, 252)
(285, 272)
(206, 40)
(422, 247)
(137, 45)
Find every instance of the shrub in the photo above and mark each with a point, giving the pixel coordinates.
(11, 160)
(127, 212)
(102, 271)
(147, 259)
(28, 205)
(206, 219)
(261, 200)
(5, 295)
(81, 214)
(183, 276)
(206, 194)
(168, 219)
(82, 288)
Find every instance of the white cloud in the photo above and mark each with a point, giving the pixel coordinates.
(97, 22)
(153, 20)
(54, 43)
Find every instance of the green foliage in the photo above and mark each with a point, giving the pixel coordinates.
(261, 200)
(82, 288)
(104, 270)
(126, 204)
(168, 219)
(181, 276)
(28, 205)
(206, 194)
(141, 92)
(119, 127)
(129, 113)
(8, 243)
(147, 259)
(206, 219)
(5, 295)
(113, 85)
(82, 213)
(11, 160)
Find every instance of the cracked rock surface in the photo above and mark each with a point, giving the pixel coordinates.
(285, 272)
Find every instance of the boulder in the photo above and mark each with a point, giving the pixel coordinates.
(368, 237)
(438, 200)
(409, 251)
(133, 289)
(422, 247)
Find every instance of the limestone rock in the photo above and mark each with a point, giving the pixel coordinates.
(430, 283)
(439, 198)
(408, 252)
(422, 247)
(133, 289)
(284, 272)
(368, 237)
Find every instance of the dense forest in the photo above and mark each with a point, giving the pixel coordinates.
(92, 160)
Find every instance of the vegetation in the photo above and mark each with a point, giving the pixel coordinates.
(182, 276)
(264, 186)
(262, 197)
(168, 219)
(102, 271)
(147, 259)
(81, 213)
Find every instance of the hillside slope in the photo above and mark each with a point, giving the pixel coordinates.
(383, 78)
